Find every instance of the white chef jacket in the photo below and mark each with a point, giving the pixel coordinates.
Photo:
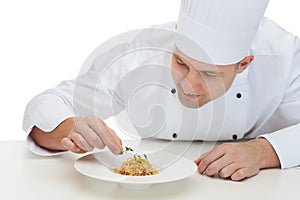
(263, 101)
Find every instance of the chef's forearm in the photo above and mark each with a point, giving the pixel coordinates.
(52, 140)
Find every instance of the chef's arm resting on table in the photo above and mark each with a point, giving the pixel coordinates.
(278, 148)
(238, 160)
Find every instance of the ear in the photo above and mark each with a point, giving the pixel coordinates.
(243, 64)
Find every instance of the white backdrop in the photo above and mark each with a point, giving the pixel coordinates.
(45, 42)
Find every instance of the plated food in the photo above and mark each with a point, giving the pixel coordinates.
(136, 166)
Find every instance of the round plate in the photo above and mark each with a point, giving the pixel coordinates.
(100, 166)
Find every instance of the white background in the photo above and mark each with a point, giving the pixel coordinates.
(45, 42)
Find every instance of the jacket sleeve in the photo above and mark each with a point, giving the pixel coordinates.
(98, 90)
(286, 141)
(87, 94)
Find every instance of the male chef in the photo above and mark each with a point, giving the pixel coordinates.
(222, 72)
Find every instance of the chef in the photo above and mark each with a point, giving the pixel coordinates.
(222, 72)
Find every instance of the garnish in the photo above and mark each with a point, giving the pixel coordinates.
(126, 150)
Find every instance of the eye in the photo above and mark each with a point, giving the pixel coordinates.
(209, 74)
(180, 62)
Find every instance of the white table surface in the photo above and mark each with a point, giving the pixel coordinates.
(27, 176)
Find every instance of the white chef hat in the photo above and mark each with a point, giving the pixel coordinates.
(221, 30)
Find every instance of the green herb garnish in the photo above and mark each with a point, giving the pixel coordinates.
(126, 150)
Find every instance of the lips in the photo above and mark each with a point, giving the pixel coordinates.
(192, 97)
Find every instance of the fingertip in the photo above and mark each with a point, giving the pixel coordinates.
(200, 172)
(70, 146)
(76, 149)
(81, 151)
(201, 168)
(119, 149)
(117, 152)
(197, 161)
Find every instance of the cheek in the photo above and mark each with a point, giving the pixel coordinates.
(215, 86)
(219, 86)
(228, 81)
(178, 72)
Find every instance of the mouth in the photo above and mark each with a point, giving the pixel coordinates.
(191, 97)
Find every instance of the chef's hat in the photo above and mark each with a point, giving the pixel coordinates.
(223, 29)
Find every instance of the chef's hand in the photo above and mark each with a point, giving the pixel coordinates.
(238, 161)
(90, 132)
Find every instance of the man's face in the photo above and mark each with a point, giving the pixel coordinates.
(198, 83)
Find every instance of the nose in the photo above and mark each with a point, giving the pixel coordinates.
(192, 83)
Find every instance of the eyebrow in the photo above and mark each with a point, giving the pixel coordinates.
(207, 71)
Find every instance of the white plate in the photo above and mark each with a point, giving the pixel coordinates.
(100, 166)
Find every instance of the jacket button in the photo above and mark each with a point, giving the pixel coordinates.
(238, 95)
(173, 91)
(234, 137)
(174, 135)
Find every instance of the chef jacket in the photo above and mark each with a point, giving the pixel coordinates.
(263, 101)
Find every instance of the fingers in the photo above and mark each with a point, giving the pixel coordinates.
(197, 161)
(89, 135)
(80, 141)
(225, 168)
(239, 175)
(71, 146)
(244, 173)
(90, 132)
(113, 142)
(208, 159)
(216, 166)
(235, 173)
(228, 171)
(107, 135)
(234, 161)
